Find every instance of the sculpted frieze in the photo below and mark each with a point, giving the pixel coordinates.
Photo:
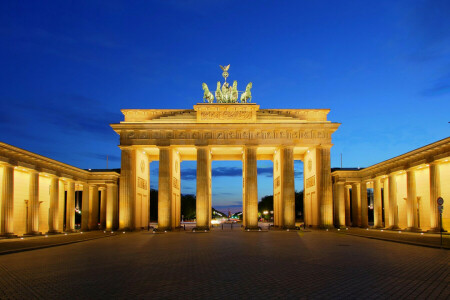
(225, 134)
(226, 115)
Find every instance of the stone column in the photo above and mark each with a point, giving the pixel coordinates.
(164, 189)
(103, 208)
(85, 207)
(386, 205)
(127, 189)
(377, 206)
(33, 196)
(340, 205)
(435, 190)
(355, 205)
(306, 208)
(411, 200)
(203, 209)
(393, 206)
(93, 207)
(53, 217)
(347, 206)
(7, 200)
(364, 205)
(324, 186)
(111, 206)
(70, 206)
(287, 187)
(251, 188)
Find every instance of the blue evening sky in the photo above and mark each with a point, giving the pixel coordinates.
(68, 67)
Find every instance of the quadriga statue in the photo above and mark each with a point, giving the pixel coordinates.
(219, 96)
(234, 92)
(247, 95)
(207, 95)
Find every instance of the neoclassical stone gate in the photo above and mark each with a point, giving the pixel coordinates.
(224, 131)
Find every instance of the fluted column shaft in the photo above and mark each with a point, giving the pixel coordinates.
(93, 207)
(324, 188)
(103, 208)
(164, 189)
(287, 186)
(411, 201)
(340, 205)
(53, 217)
(347, 206)
(85, 207)
(7, 200)
(435, 190)
(377, 206)
(127, 189)
(393, 206)
(33, 203)
(203, 210)
(386, 203)
(251, 188)
(111, 206)
(364, 205)
(70, 206)
(355, 205)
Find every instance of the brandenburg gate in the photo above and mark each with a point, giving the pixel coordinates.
(230, 128)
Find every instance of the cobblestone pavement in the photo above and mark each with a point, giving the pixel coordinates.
(228, 264)
(8, 246)
(424, 239)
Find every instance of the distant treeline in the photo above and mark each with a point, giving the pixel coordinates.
(188, 205)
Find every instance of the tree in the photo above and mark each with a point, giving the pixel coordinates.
(188, 206)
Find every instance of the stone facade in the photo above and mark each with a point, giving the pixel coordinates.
(37, 194)
(405, 191)
(227, 132)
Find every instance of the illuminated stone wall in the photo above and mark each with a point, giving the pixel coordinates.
(411, 182)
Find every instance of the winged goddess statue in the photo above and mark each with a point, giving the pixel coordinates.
(225, 71)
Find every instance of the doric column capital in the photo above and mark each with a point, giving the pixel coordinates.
(326, 147)
(286, 147)
(250, 146)
(6, 164)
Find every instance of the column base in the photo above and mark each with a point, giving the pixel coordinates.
(33, 233)
(9, 235)
(52, 232)
(70, 231)
(393, 227)
(413, 229)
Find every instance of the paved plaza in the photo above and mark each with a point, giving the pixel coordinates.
(227, 264)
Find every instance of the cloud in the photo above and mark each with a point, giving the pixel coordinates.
(440, 87)
(226, 172)
(191, 173)
(188, 174)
